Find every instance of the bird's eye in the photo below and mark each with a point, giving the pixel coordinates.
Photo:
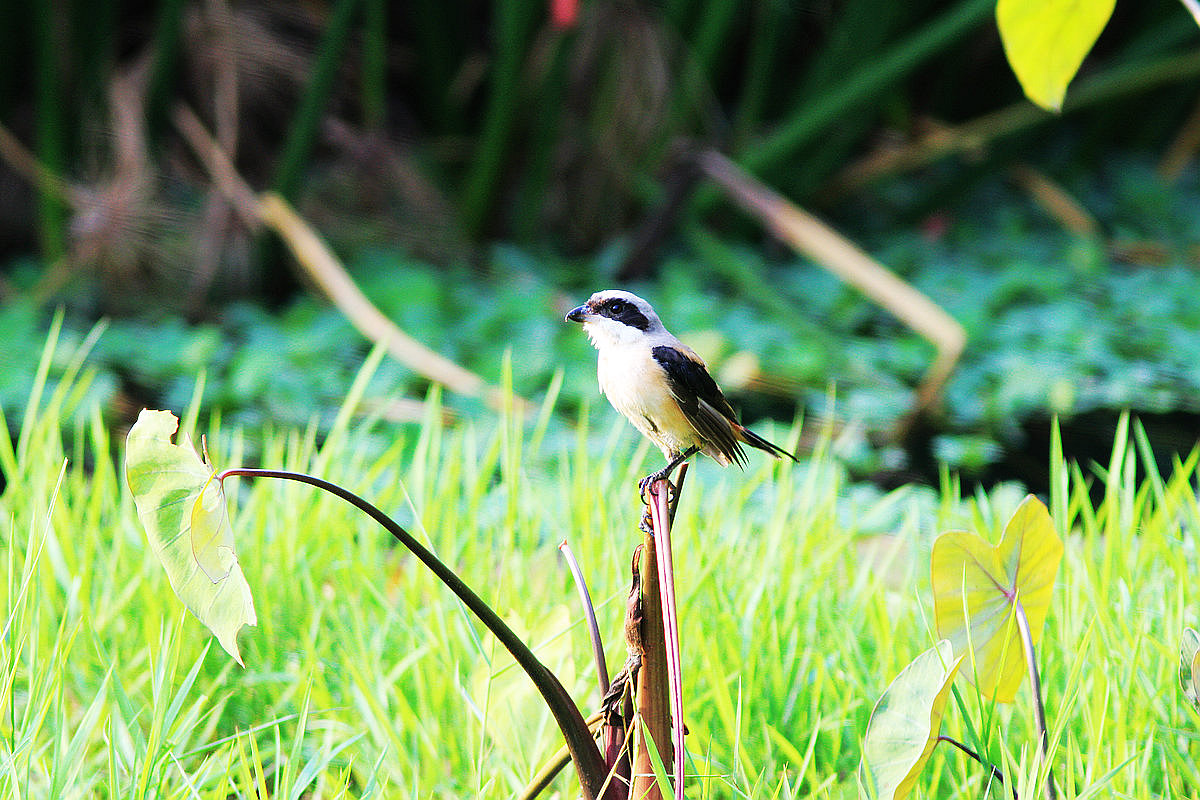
(616, 306)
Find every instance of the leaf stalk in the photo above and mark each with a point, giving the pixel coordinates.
(1035, 684)
(589, 765)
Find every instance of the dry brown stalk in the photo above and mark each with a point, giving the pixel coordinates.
(1182, 150)
(653, 715)
(816, 240)
(1056, 201)
(323, 267)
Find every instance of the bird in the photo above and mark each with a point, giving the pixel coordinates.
(661, 386)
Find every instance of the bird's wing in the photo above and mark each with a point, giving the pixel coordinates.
(701, 400)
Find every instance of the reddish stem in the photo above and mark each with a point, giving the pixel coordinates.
(589, 613)
(661, 515)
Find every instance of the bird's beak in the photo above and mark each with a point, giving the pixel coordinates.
(578, 314)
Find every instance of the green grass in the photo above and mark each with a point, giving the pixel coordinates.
(800, 598)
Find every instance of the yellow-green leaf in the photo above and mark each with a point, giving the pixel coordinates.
(183, 510)
(905, 723)
(1189, 665)
(1021, 569)
(1046, 41)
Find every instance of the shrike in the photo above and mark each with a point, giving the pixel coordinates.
(661, 385)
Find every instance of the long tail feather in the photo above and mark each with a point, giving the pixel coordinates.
(754, 440)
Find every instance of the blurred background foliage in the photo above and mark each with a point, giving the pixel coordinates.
(481, 167)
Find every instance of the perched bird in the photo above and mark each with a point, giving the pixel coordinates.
(661, 385)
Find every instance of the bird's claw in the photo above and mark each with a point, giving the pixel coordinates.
(647, 482)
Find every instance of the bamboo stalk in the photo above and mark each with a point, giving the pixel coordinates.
(374, 66)
(513, 22)
(50, 131)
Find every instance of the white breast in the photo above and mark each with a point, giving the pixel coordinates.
(636, 386)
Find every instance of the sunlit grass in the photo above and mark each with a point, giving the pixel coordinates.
(801, 597)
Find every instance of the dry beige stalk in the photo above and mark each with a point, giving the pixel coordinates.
(828, 248)
(323, 267)
(1056, 201)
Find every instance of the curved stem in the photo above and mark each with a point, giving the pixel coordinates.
(1035, 684)
(554, 765)
(588, 762)
(589, 613)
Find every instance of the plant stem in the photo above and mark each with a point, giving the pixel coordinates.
(683, 468)
(767, 21)
(711, 39)
(374, 65)
(996, 773)
(974, 735)
(589, 765)
(550, 87)
(163, 69)
(1017, 118)
(51, 130)
(652, 717)
(589, 613)
(661, 514)
(305, 123)
(1035, 684)
(514, 21)
(553, 765)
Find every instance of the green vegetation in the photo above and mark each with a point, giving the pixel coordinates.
(478, 169)
(800, 598)
(990, 602)
(1055, 324)
(446, 123)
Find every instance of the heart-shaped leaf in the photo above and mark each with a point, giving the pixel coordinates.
(905, 723)
(1021, 569)
(1047, 40)
(183, 510)
(1189, 666)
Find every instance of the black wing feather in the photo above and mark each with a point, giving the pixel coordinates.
(701, 401)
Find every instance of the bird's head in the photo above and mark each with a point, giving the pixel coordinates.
(615, 317)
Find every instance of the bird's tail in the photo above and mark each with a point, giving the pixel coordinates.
(754, 440)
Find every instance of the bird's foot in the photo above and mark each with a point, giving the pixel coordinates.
(654, 477)
(647, 482)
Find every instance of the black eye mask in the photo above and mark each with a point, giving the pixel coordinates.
(626, 313)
